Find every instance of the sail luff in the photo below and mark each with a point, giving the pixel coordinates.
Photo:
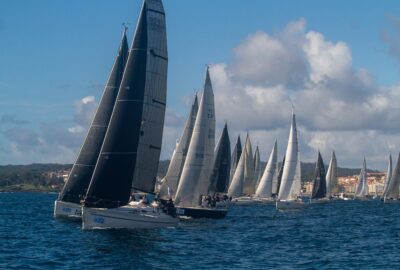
(319, 186)
(289, 188)
(264, 188)
(79, 178)
(196, 171)
(171, 179)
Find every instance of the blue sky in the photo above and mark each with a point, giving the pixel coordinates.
(55, 53)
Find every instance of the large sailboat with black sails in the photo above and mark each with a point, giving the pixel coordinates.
(130, 152)
(68, 203)
(289, 191)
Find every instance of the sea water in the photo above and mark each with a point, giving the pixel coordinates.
(336, 235)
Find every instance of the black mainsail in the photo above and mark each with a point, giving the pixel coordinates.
(78, 180)
(130, 153)
(222, 164)
(319, 187)
(237, 151)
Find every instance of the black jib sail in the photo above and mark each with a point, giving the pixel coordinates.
(319, 187)
(222, 164)
(78, 180)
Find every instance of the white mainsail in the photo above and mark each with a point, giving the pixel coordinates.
(388, 176)
(195, 178)
(291, 176)
(394, 183)
(248, 178)
(264, 189)
(257, 168)
(243, 179)
(362, 185)
(331, 177)
(171, 179)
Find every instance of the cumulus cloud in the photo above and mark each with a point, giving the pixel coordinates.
(337, 106)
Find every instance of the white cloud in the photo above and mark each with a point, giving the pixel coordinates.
(337, 106)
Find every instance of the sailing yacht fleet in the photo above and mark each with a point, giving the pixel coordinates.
(119, 157)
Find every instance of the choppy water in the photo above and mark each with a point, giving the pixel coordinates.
(338, 235)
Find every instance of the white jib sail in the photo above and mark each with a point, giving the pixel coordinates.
(388, 176)
(331, 177)
(171, 179)
(291, 176)
(264, 189)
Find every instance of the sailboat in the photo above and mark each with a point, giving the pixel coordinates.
(130, 152)
(270, 175)
(291, 176)
(392, 191)
(196, 173)
(237, 151)
(331, 178)
(361, 191)
(257, 168)
(319, 186)
(171, 179)
(222, 164)
(387, 177)
(242, 184)
(68, 202)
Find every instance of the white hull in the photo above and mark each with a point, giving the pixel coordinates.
(290, 205)
(323, 200)
(67, 210)
(390, 201)
(265, 200)
(127, 217)
(244, 201)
